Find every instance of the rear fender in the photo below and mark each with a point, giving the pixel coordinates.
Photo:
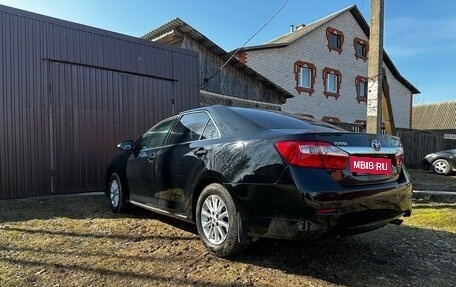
(203, 180)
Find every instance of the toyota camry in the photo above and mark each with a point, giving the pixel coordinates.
(241, 174)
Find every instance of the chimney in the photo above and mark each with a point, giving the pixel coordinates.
(291, 28)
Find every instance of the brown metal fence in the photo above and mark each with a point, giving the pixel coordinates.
(69, 93)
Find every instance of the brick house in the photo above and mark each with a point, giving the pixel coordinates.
(324, 65)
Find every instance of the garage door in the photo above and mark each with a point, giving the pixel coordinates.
(90, 111)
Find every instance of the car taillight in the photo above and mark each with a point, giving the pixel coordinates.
(399, 157)
(313, 154)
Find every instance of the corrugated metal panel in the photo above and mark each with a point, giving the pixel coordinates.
(24, 170)
(185, 69)
(69, 93)
(88, 121)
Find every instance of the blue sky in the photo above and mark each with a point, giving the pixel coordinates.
(420, 35)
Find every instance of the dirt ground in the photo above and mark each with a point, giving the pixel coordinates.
(77, 241)
(427, 180)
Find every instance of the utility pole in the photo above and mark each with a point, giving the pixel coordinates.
(375, 69)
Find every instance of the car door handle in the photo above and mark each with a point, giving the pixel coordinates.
(151, 157)
(200, 152)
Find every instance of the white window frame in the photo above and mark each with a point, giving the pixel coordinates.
(362, 89)
(331, 87)
(307, 75)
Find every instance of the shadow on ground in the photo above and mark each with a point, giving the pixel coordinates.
(390, 256)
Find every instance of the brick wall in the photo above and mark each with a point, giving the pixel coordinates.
(277, 64)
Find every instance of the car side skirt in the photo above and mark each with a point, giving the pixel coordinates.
(158, 210)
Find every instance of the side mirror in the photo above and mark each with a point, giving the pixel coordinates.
(125, 145)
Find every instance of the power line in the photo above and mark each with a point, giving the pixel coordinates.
(259, 30)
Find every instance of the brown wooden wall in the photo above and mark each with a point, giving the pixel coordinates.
(69, 93)
(231, 80)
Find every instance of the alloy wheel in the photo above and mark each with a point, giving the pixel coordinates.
(215, 219)
(114, 192)
(440, 167)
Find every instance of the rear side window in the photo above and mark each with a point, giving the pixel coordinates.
(193, 127)
(210, 132)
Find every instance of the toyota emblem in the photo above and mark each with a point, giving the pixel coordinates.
(376, 145)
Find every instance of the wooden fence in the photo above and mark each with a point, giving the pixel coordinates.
(417, 143)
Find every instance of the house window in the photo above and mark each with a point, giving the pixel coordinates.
(331, 83)
(305, 77)
(361, 89)
(335, 39)
(305, 74)
(361, 48)
(332, 79)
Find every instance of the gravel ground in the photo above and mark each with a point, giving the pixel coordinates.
(77, 241)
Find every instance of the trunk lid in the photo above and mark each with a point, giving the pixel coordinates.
(373, 158)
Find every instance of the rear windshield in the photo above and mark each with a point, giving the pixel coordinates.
(278, 120)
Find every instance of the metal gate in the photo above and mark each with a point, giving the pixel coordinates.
(92, 109)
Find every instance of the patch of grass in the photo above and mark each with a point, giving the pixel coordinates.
(434, 216)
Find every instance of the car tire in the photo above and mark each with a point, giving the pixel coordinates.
(116, 194)
(217, 221)
(441, 166)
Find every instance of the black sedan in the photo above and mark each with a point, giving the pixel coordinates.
(441, 162)
(241, 174)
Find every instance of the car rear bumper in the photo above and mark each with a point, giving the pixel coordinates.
(333, 214)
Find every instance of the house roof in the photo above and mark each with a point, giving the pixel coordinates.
(180, 25)
(299, 32)
(438, 116)
(287, 39)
